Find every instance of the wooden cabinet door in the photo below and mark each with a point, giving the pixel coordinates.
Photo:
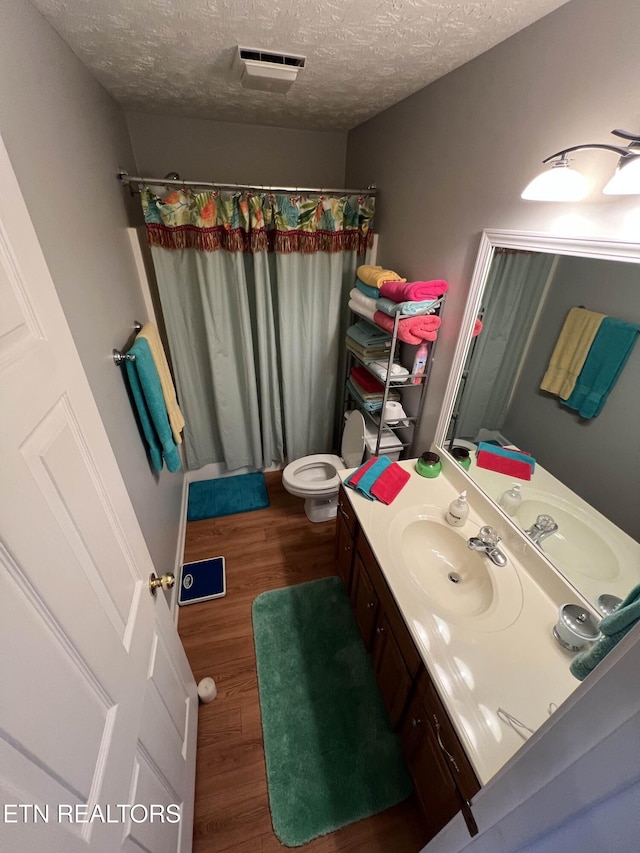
(434, 785)
(364, 602)
(392, 674)
(344, 553)
(345, 511)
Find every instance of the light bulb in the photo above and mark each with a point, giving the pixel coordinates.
(560, 183)
(626, 179)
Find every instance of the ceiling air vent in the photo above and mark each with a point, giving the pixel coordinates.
(266, 70)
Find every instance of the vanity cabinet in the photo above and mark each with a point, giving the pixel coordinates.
(443, 777)
(395, 659)
(344, 544)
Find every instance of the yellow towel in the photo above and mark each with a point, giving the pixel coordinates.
(150, 334)
(375, 276)
(571, 350)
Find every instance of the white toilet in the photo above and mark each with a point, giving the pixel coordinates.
(315, 478)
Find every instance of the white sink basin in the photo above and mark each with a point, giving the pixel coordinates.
(458, 585)
(578, 546)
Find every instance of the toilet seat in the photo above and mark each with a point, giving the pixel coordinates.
(317, 475)
(313, 475)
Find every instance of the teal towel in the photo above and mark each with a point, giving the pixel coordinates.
(509, 454)
(149, 400)
(374, 406)
(607, 357)
(388, 306)
(368, 335)
(366, 482)
(371, 292)
(613, 628)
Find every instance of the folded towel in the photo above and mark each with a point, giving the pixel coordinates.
(398, 372)
(366, 381)
(354, 478)
(365, 301)
(414, 291)
(607, 357)
(361, 311)
(508, 453)
(150, 334)
(388, 306)
(570, 352)
(373, 406)
(366, 480)
(412, 330)
(372, 292)
(371, 396)
(374, 276)
(505, 461)
(147, 395)
(366, 354)
(369, 335)
(390, 483)
(613, 628)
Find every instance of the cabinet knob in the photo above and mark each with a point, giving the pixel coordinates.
(379, 630)
(370, 604)
(347, 547)
(416, 722)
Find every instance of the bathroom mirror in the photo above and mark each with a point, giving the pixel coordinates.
(587, 474)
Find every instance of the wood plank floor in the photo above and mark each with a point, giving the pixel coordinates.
(266, 549)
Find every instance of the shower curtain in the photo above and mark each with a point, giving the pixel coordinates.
(254, 292)
(515, 285)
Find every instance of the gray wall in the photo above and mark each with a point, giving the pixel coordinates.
(207, 150)
(66, 139)
(452, 159)
(597, 458)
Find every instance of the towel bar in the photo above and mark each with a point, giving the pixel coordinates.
(120, 357)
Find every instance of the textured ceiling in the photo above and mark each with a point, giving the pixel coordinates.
(175, 56)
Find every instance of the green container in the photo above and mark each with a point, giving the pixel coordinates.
(429, 465)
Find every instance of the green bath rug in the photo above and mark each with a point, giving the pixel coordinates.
(226, 496)
(330, 753)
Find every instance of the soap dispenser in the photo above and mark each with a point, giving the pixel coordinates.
(511, 499)
(458, 511)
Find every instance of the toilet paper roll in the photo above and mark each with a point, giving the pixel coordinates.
(393, 412)
(207, 690)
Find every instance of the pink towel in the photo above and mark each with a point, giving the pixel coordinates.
(477, 328)
(390, 483)
(358, 474)
(413, 291)
(411, 330)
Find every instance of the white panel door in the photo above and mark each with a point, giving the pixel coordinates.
(98, 706)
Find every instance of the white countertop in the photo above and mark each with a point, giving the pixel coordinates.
(478, 664)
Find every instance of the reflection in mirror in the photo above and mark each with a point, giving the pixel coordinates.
(587, 470)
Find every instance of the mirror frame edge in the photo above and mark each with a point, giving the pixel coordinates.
(605, 248)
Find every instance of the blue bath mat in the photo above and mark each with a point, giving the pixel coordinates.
(227, 496)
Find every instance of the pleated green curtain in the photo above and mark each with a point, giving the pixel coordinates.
(254, 292)
(514, 288)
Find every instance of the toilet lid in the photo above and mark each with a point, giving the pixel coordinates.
(352, 448)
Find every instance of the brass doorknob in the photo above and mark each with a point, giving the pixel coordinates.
(166, 582)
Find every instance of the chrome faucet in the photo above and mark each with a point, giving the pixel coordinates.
(487, 541)
(542, 527)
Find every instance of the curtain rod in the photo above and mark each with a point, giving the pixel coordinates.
(135, 185)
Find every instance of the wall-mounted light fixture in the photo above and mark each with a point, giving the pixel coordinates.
(562, 183)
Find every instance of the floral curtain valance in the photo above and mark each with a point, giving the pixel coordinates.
(247, 222)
